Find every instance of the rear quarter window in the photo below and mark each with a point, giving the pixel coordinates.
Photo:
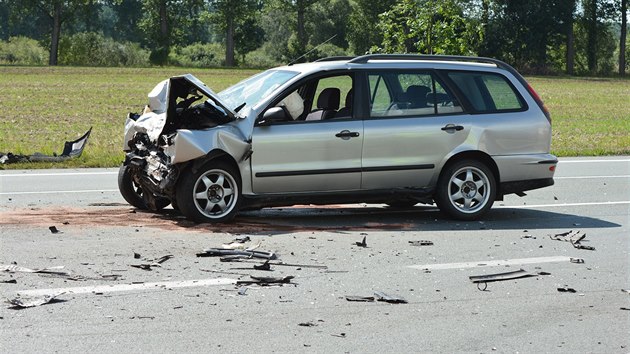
(488, 92)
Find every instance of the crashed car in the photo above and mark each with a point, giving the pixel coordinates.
(461, 132)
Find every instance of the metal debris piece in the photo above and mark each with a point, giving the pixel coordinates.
(242, 239)
(576, 260)
(163, 259)
(49, 270)
(242, 290)
(575, 237)
(627, 291)
(380, 296)
(264, 266)
(421, 243)
(362, 243)
(25, 302)
(359, 298)
(71, 149)
(266, 280)
(143, 266)
(566, 290)
(214, 252)
(624, 308)
(242, 259)
(521, 273)
(136, 255)
(9, 281)
(543, 273)
(307, 324)
(53, 229)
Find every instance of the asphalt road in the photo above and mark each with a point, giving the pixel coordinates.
(191, 304)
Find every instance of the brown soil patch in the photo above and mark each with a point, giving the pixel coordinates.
(171, 220)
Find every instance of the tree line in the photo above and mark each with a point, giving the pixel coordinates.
(586, 37)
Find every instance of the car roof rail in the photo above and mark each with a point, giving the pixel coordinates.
(365, 58)
(334, 58)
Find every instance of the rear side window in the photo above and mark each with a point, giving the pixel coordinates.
(488, 92)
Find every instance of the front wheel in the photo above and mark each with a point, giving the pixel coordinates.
(212, 194)
(466, 190)
(133, 192)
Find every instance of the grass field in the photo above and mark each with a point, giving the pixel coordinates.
(41, 107)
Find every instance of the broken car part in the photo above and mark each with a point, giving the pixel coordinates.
(71, 149)
(483, 280)
(575, 237)
(355, 298)
(246, 260)
(362, 243)
(21, 302)
(214, 252)
(421, 243)
(567, 290)
(380, 296)
(266, 280)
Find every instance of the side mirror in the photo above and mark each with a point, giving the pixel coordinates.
(272, 115)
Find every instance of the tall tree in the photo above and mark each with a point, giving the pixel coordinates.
(622, 37)
(56, 12)
(230, 15)
(363, 33)
(298, 10)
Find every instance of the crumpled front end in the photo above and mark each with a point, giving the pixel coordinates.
(182, 123)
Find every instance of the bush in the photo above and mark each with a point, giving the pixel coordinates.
(198, 55)
(22, 51)
(93, 49)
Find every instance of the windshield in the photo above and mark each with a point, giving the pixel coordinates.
(251, 90)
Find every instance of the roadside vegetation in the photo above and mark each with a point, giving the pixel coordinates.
(42, 107)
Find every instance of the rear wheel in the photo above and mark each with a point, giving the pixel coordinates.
(133, 192)
(212, 194)
(466, 190)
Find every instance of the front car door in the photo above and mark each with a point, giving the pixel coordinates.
(318, 148)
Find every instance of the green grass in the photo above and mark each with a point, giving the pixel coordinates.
(41, 107)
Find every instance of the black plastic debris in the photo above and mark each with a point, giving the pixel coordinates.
(421, 243)
(53, 229)
(488, 278)
(136, 255)
(8, 281)
(246, 259)
(566, 290)
(362, 243)
(576, 260)
(355, 298)
(218, 252)
(156, 263)
(22, 302)
(307, 324)
(381, 296)
(266, 280)
(264, 266)
(71, 149)
(241, 239)
(574, 237)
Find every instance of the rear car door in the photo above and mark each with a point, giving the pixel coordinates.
(414, 122)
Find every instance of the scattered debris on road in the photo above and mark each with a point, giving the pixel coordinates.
(566, 290)
(155, 263)
(307, 324)
(71, 149)
(8, 281)
(381, 296)
(421, 243)
(359, 298)
(53, 229)
(239, 259)
(362, 243)
(264, 266)
(20, 302)
(574, 237)
(57, 270)
(576, 260)
(218, 252)
(264, 281)
(488, 278)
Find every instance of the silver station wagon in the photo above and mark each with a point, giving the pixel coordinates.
(399, 130)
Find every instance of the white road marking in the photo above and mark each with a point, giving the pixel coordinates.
(561, 205)
(61, 192)
(129, 287)
(57, 174)
(592, 177)
(588, 161)
(492, 263)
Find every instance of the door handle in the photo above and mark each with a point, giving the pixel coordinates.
(450, 127)
(345, 134)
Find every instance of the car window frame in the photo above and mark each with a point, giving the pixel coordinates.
(447, 85)
(307, 83)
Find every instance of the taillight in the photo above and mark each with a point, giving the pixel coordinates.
(538, 100)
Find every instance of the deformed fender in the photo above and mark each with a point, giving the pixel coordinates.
(189, 145)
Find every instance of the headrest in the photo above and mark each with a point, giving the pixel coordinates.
(329, 99)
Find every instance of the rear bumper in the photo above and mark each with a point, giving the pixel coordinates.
(522, 186)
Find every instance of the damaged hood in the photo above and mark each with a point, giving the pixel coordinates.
(166, 101)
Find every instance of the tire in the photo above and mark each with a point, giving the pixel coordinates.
(212, 194)
(133, 193)
(466, 190)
